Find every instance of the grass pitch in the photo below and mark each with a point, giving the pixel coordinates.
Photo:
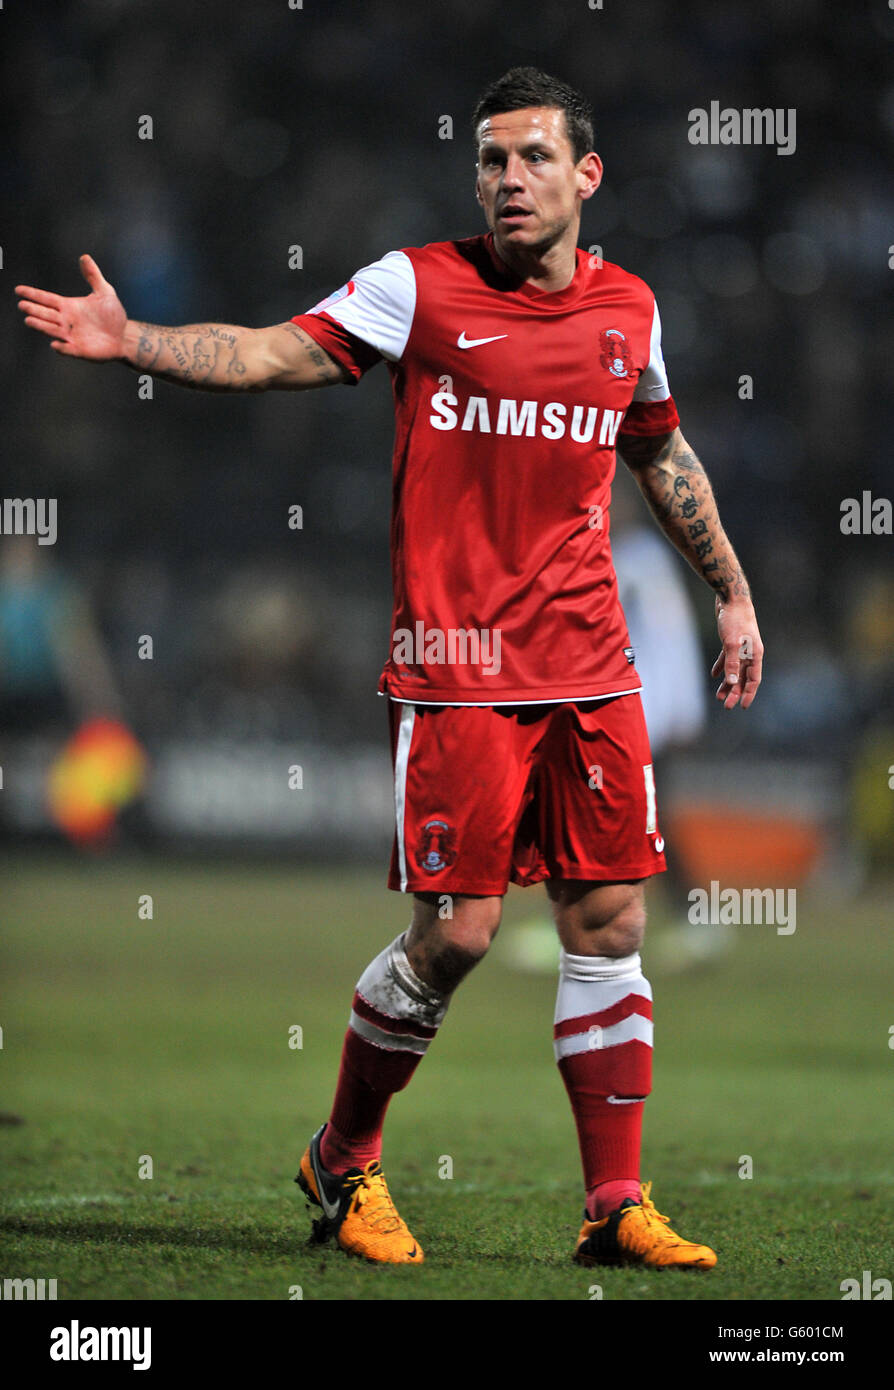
(168, 1039)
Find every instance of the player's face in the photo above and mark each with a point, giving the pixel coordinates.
(528, 182)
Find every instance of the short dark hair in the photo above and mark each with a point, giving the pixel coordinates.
(522, 87)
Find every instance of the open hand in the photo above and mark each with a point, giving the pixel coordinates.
(91, 327)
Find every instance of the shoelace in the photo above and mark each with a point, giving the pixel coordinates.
(653, 1215)
(649, 1206)
(386, 1219)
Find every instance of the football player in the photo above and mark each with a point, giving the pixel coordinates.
(519, 365)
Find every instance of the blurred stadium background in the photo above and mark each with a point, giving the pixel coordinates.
(275, 128)
(318, 128)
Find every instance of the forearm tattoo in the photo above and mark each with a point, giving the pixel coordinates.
(677, 489)
(205, 356)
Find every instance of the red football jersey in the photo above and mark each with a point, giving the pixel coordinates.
(508, 402)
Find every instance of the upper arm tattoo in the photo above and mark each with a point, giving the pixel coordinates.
(327, 370)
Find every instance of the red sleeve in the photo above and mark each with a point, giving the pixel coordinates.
(345, 348)
(650, 417)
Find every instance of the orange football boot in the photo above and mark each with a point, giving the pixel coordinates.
(357, 1210)
(638, 1234)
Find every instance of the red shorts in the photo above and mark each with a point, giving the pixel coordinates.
(488, 794)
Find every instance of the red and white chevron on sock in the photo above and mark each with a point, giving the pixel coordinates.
(603, 1045)
(394, 1016)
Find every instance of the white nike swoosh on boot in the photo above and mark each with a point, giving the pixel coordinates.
(329, 1210)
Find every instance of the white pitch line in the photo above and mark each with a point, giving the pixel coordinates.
(69, 1200)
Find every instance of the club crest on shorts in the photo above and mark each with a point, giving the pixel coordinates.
(615, 353)
(437, 846)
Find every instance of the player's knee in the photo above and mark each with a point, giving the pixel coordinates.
(608, 921)
(443, 959)
(455, 959)
(469, 933)
(443, 946)
(623, 934)
(623, 931)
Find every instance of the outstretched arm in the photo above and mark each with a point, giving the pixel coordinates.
(209, 357)
(678, 492)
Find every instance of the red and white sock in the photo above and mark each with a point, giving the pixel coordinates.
(603, 1045)
(394, 1017)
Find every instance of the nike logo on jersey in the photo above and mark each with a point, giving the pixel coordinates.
(464, 342)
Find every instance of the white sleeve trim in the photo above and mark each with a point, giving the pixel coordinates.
(652, 385)
(377, 304)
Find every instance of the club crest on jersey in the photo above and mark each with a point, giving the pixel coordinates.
(437, 846)
(615, 353)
